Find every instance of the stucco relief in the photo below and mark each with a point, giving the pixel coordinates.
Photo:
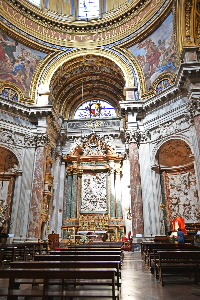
(94, 193)
(182, 196)
(175, 153)
(169, 128)
(8, 161)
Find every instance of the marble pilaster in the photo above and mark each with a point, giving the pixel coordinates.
(25, 194)
(112, 190)
(118, 193)
(68, 195)
(136, 197)
(60, 199)
(34, 229)
(196, 145)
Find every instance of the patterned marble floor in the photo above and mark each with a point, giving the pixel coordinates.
(139, 284)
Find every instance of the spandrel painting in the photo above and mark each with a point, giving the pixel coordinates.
(17, 62)
(157, 53)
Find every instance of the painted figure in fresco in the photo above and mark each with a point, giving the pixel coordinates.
(17, 62)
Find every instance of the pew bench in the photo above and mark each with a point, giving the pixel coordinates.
(70, 264)
(66, 275)
(178, 263)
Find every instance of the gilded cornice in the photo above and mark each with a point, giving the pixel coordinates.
(45, 32)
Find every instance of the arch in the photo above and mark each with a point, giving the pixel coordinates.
(14, 160)
(158, 146)
(42, 78)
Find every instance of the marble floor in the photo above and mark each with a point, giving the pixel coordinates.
(139, 284)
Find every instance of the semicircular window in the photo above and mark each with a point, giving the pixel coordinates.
(95, 109)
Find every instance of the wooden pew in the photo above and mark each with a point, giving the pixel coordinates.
(89, 249)
(64, 274)
(148, 248)
(154, 260)
(70, 264)
(179, 261)
(85, 257)
(151, 251)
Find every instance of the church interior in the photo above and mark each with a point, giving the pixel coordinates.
(100, 127)
(100, 120)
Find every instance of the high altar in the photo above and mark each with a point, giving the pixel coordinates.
(93, 197)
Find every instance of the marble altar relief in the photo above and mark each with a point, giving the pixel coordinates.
(93, 198)
(182, 196)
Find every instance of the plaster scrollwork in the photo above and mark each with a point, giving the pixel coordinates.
(93, 145)
(194, 107)
(169, 128)
(42, 140)
(9, 137)
(137, 136)
(29, 141)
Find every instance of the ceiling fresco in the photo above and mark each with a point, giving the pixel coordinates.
(157, 53)
(17, 62)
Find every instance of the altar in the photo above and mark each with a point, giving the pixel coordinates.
(92, 228)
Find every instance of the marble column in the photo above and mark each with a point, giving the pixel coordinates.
(112, 190)
(68, 194)
(34, 229)
(22, 206)
(74, 194)
(60, 198)
(118, 193)
(135, 187)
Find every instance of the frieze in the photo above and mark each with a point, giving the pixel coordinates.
(170, 128)
(10, 137)
(137, 136)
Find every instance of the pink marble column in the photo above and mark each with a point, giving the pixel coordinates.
(34, 230)
(135, 189)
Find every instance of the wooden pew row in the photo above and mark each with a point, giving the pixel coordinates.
(85, 257)
(91, 252)
(89, 249)
(70, 264)
(65, 274)
(21, 251)
(148, 248)
(150, 251)
(155, 258)
(173, 263)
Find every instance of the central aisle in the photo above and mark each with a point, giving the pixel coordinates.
(139, 284)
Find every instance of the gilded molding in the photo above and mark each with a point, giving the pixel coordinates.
(143, 16)
(20, 93)
(51, 63)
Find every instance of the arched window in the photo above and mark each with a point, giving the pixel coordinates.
(88, 9)
(95, 109)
